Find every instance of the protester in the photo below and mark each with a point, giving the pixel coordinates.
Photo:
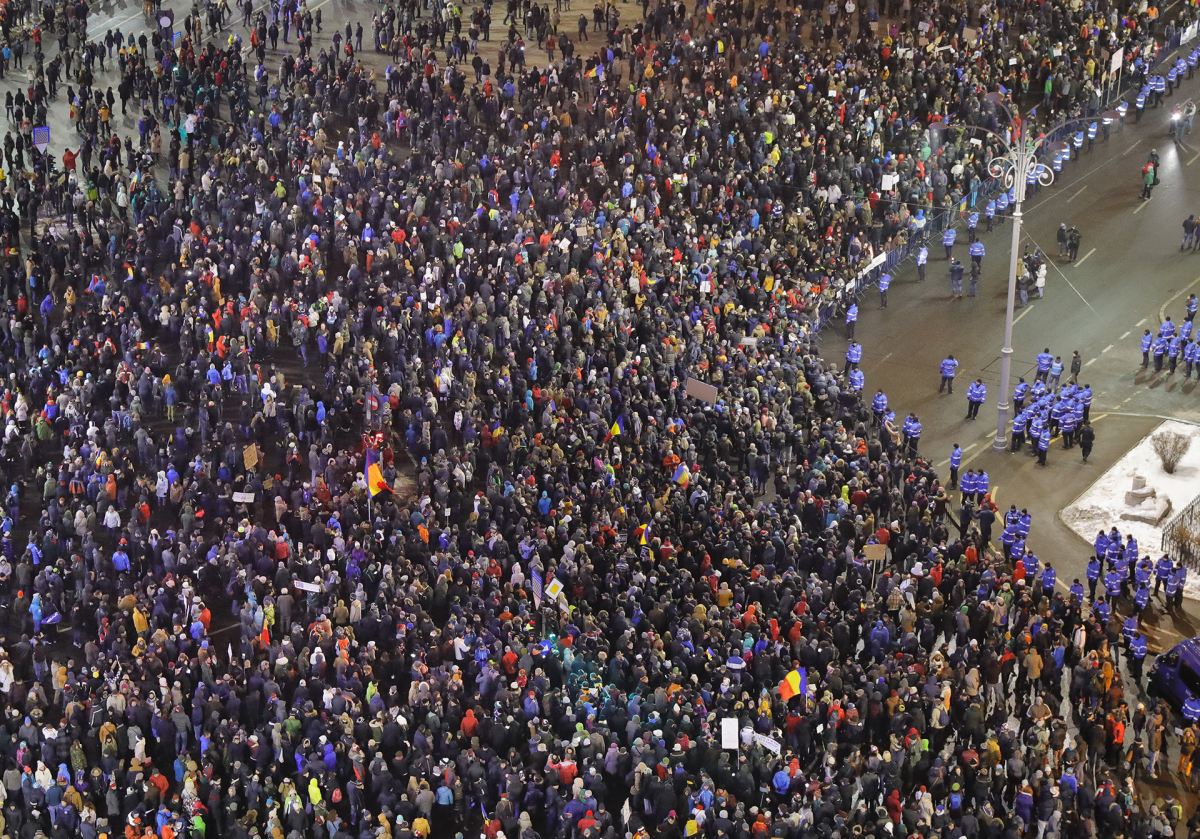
(364, 473)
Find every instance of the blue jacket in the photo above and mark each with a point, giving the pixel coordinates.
(1044, 360)
(852, 313)
(948, 366)
(1093, 569)
(972, 221)
(976, 249)
(880, 402)
(1049, 577)
(976, 392)
(1147, 342)
(1021, 389)
(854, 353)
(949, 236)
(956, 457)
(884, 282)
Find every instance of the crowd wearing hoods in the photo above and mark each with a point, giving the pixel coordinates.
(511, 284)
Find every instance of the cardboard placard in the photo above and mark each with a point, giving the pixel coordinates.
(250, 457)
(874, 553)
(729, 733)
(243, 498)
(702, 391)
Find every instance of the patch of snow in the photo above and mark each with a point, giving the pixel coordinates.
(1101, 505)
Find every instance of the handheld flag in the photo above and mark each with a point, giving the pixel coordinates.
(617, 429)
(681, 476)
(643, 534)
(794, 684)
(375, 482)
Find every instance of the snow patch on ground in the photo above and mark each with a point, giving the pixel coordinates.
(1101, 505)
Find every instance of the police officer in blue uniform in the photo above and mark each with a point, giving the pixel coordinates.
(1162, 572)
(1043, 446)
(853, 356)
(1137, 655)
(1019, 393)
(1093, 575)
(948, 366)
(1159, 350)
(972, 224)
(1147, 345)
(922, 258)
(1020, 422)
(1044, 360)
(990, 213)
(879, 406)
(948, 240)
(884, 282)
(956, 455)
(976, 394)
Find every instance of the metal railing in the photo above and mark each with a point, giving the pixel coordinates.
(827, 307)
(1181, 536)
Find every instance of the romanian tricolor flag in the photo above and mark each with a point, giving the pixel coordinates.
(375, 482)
(681, 476)
(643, 534)
(596, 72)
(618, 428)
(794, 684)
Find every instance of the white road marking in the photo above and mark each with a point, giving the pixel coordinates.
(1126, 335)
(1131, 148)
(1085, 256)
(1076, 195)
(1142, 206)
(1109, 347)
(1028, 309)
(1193, 160)
(1090, 362)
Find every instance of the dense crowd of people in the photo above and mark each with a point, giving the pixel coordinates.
(579, 294)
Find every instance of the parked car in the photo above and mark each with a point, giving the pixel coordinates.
(1175, 675)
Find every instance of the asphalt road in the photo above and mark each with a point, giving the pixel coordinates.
(1130, 272)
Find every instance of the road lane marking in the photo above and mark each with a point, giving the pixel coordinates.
(1142, 206)
(1085, 256)
(1110, 346)
(1090, 362)
(1028, 309)
(1076, 195)
(1126, 335)
(1193, 160)
(1131, 148)
(1139, 323)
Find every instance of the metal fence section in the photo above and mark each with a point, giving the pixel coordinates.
(1181, 536)
(829, 307)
